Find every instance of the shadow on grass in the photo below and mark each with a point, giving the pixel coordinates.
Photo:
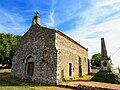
(8, 82)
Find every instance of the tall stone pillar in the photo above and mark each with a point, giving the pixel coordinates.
(104, 57)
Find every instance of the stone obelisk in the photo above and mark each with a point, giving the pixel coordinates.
(104, 57)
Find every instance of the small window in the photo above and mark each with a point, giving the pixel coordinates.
(85, 59)
(45, 54)
(70, 69)
(79, 61)
(30, 69)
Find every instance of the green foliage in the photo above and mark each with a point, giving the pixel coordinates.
(95, 61)
(118, 69)
(8, 43)
(109, 77)
(110, 64)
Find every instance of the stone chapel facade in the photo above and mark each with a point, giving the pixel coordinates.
(48, 56)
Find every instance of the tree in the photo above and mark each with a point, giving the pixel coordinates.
(118, 69)
(95, 60)
(110, 63)
(8, 43)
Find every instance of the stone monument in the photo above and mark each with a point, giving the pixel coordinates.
(104, 57)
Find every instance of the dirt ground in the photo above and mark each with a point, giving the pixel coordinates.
(95, 84)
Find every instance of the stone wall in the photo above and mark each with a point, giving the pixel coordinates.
(38, 43)
(69, 52)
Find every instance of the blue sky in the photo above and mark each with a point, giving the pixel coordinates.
(86, 21)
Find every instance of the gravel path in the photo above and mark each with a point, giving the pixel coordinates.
(95, 84)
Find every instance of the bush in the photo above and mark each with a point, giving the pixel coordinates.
(109, 77)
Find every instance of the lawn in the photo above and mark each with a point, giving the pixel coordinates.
(84, 78)
(10, 83)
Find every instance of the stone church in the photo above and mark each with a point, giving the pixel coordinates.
(48, 55)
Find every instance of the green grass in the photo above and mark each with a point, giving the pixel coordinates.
(6, 85)
(16, 88)
(5, 70)
(84, 78)
(108, 77)
(8, 82)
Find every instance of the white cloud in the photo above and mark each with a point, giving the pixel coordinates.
(100, 19)
(106, 3)
(52, 21)
(11, 22)
(116, 8)
(62, 11)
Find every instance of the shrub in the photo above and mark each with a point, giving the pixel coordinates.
(109, 77)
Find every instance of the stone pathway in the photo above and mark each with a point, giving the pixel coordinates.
(95, 84)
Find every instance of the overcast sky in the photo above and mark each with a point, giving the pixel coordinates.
(86, 21)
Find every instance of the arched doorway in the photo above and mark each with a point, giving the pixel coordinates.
(29, 70)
